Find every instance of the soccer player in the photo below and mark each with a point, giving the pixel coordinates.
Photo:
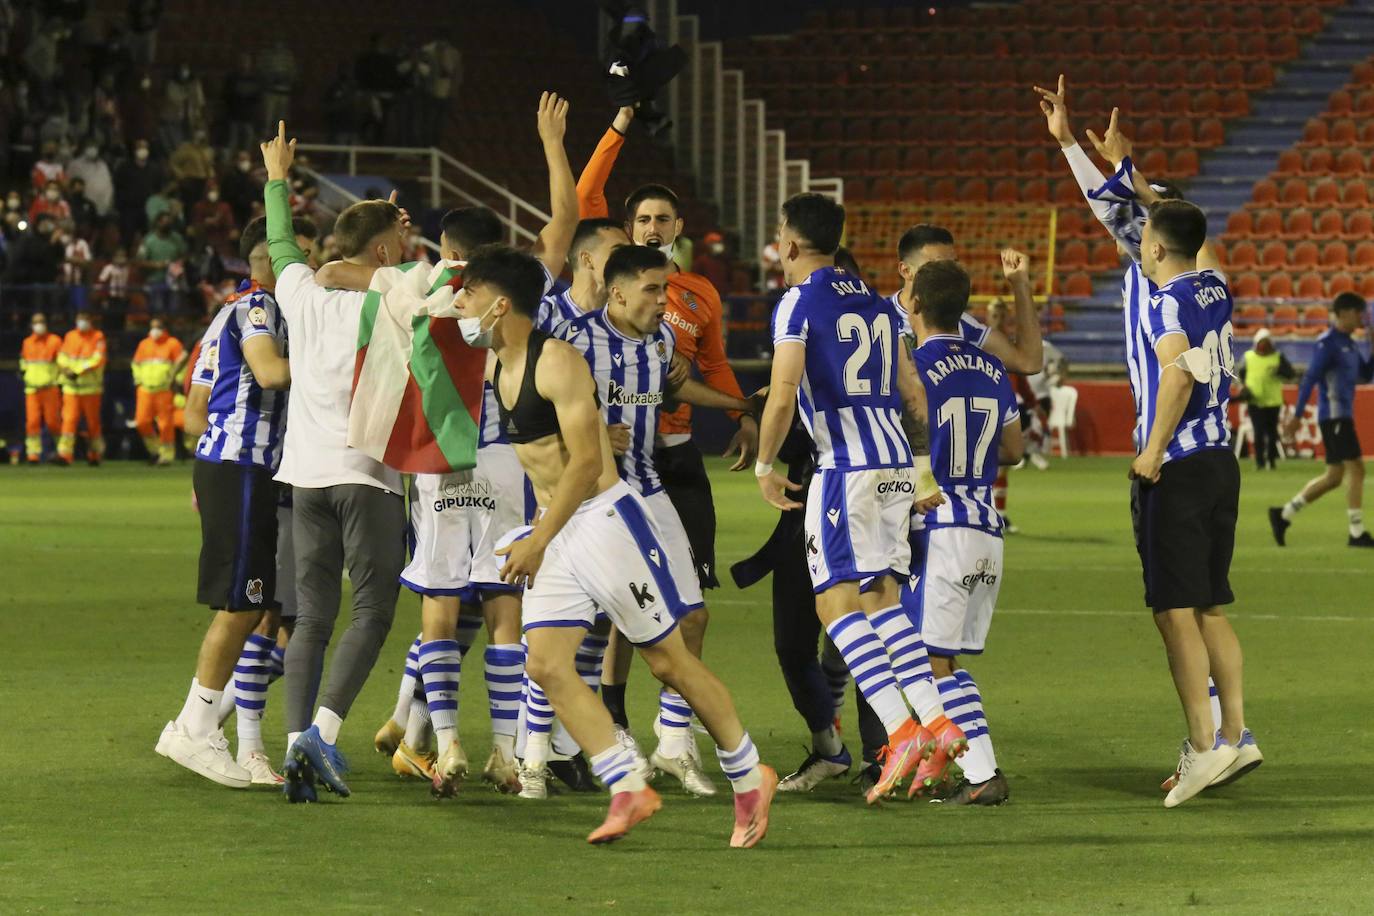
(548, 406)
(82, 362)
(957, 548)
(1024, 353)
(152, 369)
(1337, 366)
(238, 400)
(592, 244)
(630, 347)
(835, 356)
(38, 364)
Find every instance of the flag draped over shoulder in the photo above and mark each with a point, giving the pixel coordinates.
(417, 385)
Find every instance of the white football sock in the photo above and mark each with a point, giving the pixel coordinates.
(1356, 519)
(1291, 507)
(328, 722)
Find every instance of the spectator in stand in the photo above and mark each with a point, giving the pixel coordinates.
(14, 203)
(242, 103)
(84, 215)
(35, 260)
(193, 166)
(277, 67)
(159, 250)
(138, 107)
(183, 107)
(165, 200)
(48, 168)
(341, 101)
(76, 263)
(136, 179)
(112, 286)
(439, 76)
(240, 188)
(1263, 370)
(771, 262)
(107, 129)
(379, 78)
(712, 263)
(213, 220)
(41, 60)
(50, 203)
(143, 21)
(92, 170)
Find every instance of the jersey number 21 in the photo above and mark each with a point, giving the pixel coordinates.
(853, 327)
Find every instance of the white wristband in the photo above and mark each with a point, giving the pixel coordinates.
(762, 469)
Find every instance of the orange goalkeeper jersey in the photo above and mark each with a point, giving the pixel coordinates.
(694, 307)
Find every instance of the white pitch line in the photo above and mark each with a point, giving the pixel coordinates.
(1070, 612)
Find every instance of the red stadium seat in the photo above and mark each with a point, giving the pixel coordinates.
(1250, 318)
(1290, 163)
(1305, 254)
(1067, 193)
(1344, 132)
(1105, 257)
(1184, 163)
(1356, 194)
(861, 189)
(1246, 286)
(1367, 286)
(1035, 162)
(1360, 226)
(1070, 224)
(1232, 72)
(1294, 192)
(1079, 284)
(1072, 255)
(1283, 320)
(1317, 163)
(1349, 164)
(1181, 132)
(1326, 194)
(1006, 191)
(1335, 256)
(975, 190)
(1242, 254)
(1314, 133)
(1329, 225)
(1004, 162)
(1239, 224)
(912, 190)
(1258, 75)
(1283, 47)
(1211, 132)
(1278, 286)
(1207, 102)
(1154, 163)
(1310, 286)
(1235, 103)
(1340, 103)
(1266, 194)
(1035, 191)
(1274, 255)
(1268, 224)
(944, 191)
(1150, 132)
(1341, 282)
(884, 161)
(915, 159)
(1364, 103)
(1297, 226)
(1363, 74)
(1315, 320)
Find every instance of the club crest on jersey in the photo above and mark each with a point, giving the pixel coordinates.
(663, 350)
(618, 396)
(690, 300)
(253, 591)
(257, 316)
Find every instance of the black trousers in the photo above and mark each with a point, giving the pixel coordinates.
(1265, 421)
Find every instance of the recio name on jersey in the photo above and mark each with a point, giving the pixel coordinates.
(1210, 295)
(956, 361)
(617, 396)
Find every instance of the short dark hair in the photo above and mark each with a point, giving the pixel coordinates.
(255, 233)
(587, 232)
(921, 235)
(1167, 190)
(844, 259)
(360, 223)
(517, 274)
(468, 228)
(650, 192)
(1181, 226)
(943, 288)
(816, 218)
(633, 260)
(1348, 302)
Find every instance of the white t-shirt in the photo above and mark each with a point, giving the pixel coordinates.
(323, 328)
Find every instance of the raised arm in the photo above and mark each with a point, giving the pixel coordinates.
(1027, 355)
(591, 185)
(556, 238)
(277, 155)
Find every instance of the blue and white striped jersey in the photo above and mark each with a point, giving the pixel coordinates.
(555, 309)
(970, 328)
(247, 421)
(971, 400)
(631, 375)
(1196, 304)
(848, 396)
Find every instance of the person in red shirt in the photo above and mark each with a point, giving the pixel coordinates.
(712, 263)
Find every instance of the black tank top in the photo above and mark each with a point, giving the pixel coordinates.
(532, 417)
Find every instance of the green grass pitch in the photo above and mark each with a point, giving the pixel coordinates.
(98, 635)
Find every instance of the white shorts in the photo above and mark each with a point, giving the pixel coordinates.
(454, 526)
(608, 557)
(681, 561)
(955, 578)
(857, 524)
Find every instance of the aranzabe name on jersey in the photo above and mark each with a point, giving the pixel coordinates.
(617, 395)
(943, 366)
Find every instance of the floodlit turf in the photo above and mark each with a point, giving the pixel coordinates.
(98, 636)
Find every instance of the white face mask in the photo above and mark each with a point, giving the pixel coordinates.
(52, 195)
(83, 324)
(40, 328)
(141, 155)
(244, 165)
(92, 152)
(212, 196)
(474, 334)
(156, 333)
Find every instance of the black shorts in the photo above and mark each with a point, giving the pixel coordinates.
(1340, 440)
(1185, 530)
(238, 536)
(683, 473)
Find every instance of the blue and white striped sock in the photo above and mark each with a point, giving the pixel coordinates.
(867, 660)
(910, 662)
(504, 667)
(251, 674)
(675, 722)
(980, 763)
(441, 661)
(741, 766)
(590, 656)
(1216, 702)
(538, 724)
(468, 628)
(618, 768)
(278, 663)
(409, 677)
(836, 676)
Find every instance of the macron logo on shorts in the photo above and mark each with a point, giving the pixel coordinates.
(834, 516)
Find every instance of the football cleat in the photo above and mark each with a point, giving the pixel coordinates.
(534, 783)
(299, 781)
(449, 771)
(260, 767)
(1364, 540)
(1278, 524)
(313, 752)
(868, 777)
(816, 769)
(751, 811)
(687, 770)
(938, 768)
(1248, 757)
(208, 757)
(626, 740)
(501, 772)
(990, 793)
(408, 762)
(908, 747)
(1197, 770)
(575, 773)
(627, 809)
(389, 737)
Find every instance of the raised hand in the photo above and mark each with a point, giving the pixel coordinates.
(623, 117)
(1113, 146)
(278, 154)
(553, 117)
(1056, 109)
(1015, 266)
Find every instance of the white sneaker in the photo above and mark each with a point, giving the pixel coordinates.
(534, 783)
(1197, 769)
(1040, 461)
(627, 741)
(208, 756)
(687, 770)
(449, 770)
(256, 763)
(1248, 757)
(164, 740)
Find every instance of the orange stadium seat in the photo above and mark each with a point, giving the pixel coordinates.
(1356, 194)
(1274, 255)
(1154, 162)
(1242, 254)
(1304, 254)
(1266, 193)
(1364, 254)
(1335, 256)
(1329, 225)
(1246, 286)
(1211, 132)
(1078, 284)
(1349, 164)
(1326, 194)
(1184, 163)
(975, 190)
(1367, 285)
(1367, 133)
(1340, 104)
(1067, 193)
(1180, 132)
(1104, 256)
(1268, 224)
(1294, 193)
(1250, 318)
(1314, 133)
(1258, 75)
(1278, 286)
(915, 159)
(1318, 162)
(1359, 226)
(1363, 74)
(912, 189)
(1239, 224)
(1341, 282)
(1311, 286)
(1314, 320)
(1290, 163)
(1343, 132)
(1151, 132)
(1364, 103)
(1006, 191)
(1283, 320)
(1035, 191)
(944, 191)
(1297, 226)
(1072, 255)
